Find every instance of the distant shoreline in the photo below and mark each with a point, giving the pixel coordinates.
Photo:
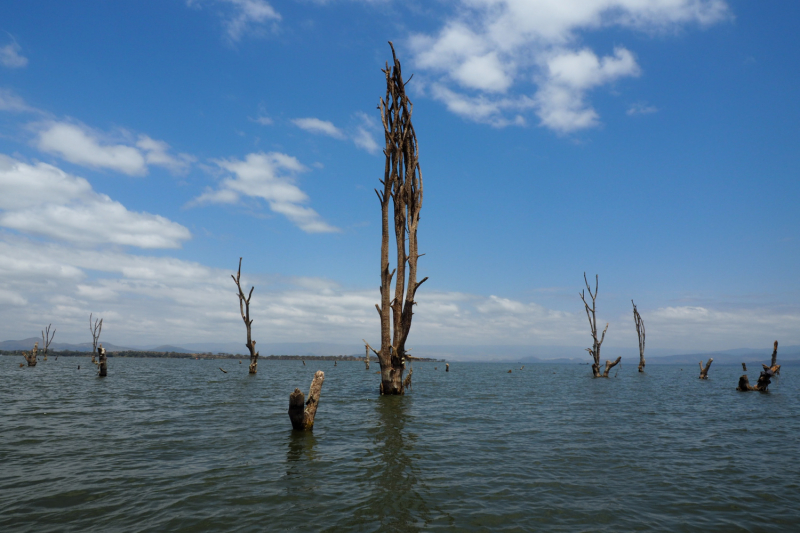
(208, 355)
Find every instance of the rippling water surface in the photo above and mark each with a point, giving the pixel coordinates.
(176, 445)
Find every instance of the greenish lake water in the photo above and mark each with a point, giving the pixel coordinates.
(176, 445)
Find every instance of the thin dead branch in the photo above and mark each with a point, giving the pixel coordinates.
(244, 310)
(637, 319)
(591, 314)
(95, 329)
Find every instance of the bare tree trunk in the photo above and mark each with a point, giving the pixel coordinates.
(366, 360)
(95, 329)
(447, 367)
(244, 309)
(704, 370)
(774, 367)
(47, 339)
(102, 361)
(744, 367)
(637, 319)
(610, 365)
(302, 412)
(30, 357)
(594, 351)
(402, 185)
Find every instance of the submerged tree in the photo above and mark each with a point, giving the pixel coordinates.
(704, 369)
(95, 329)
(30, 357)
(302, 412)
(637, 319)
(366, 357)
(591, 314)
(102, 362)
(402, 186)
(47, 339)
(764, 378)
(244, 309)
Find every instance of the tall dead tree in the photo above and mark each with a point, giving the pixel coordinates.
(102, 362)
(244, 309)
(764, 378)
(302, 412)
(402, 187)
(47, 339)
(704, 369)
(591, 314)
(95, 329)
(637, 319)
(30, 357)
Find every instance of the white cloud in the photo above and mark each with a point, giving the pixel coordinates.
(362, 137)
(641, 108)
(80, 145)
(244, 16)
(490, 47)
(9, 101)
(10, 56)
(322, 127)
(44, 200)
(269, 176)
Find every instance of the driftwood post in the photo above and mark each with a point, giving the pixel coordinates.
(402, 186)
(30, 357)
(102, 362)
(47, 339)
(704, 370)
(594, 351)
(447, 367)
(244, 309)
(637, 319)
(366, 358)
(764, 377)
(302, 412)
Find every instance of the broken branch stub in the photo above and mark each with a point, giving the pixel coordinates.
(764, 378)
(102, 362)
(637, 319)
(301, 412)
(704, 369)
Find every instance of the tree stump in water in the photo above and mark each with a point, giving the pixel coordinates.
(764, 378)
(302, 412)
(609, 366)
(30, 357)
(103, 362)
(744, 367)
(447, 367)
(704, 370)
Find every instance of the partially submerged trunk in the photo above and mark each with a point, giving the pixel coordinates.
(591, 314)
(102, 363)
(610, 365)
(302, 412)
(637, 318)
(704, 369)
(447, 367)
(744, 367)
(764, 378)
(774, 367)
(366, 359)
(402, 186)
(30, 357)
(47, 339)
(244, 310)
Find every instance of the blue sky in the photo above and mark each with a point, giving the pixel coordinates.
(146, 146)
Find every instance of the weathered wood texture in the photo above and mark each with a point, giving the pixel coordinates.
(637, 319)
(591, 314)
(244, 310)
(704, 369)
(102, 362)
(30, 357)
(302, 412)
(402, 187)
(95, 329)
(366, 358)
(764, 377)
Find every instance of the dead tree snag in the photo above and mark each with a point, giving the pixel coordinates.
(764, 378)
(95, 329)
(102, 362)
(402, 186)
(302, 412)
(704, 370)
(47, 339)
(774, 367)
(30, 357)
(591, 314)
(366, 357)
(637, 319)
(244, 309)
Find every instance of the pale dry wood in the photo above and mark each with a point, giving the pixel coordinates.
(610, 365)
(102, 363)
(764, 378)
(366, 357)
(95, 329)
(301, 412)
(774, 367)
(704, 369)
(402, 186)
(244, 310)
(30, 357)
(637, 319)
(447, 367)
(591, 314)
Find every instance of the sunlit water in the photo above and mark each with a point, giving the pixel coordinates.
(176, 445)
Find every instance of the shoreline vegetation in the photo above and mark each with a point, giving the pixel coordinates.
(210, 355)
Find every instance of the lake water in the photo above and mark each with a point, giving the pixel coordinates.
(176, 445)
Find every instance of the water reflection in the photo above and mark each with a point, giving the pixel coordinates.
(301, 448)
(395, 499)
